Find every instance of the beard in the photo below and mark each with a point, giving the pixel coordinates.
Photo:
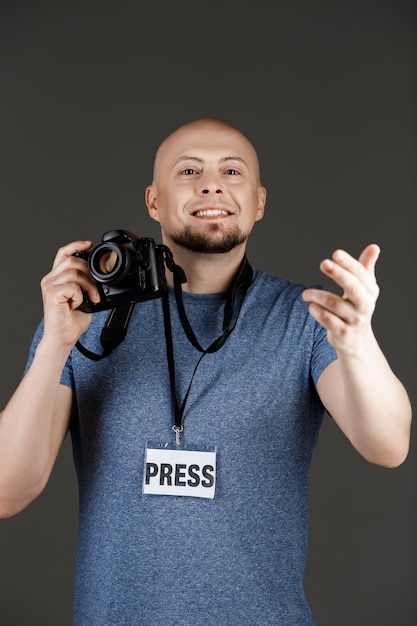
(215, 241)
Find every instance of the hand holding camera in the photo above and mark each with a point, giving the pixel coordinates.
(126, 269)
(121, 270)
(63, 291)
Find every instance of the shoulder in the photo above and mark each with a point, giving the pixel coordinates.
(266, 283)
(267, 286)
(278, 301)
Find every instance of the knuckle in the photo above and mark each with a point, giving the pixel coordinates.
(45, 282)
(324, 317)
(356, 321)
(332, 300)
(345, 332)
(354, 290)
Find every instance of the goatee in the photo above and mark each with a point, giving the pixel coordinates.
(222, 242)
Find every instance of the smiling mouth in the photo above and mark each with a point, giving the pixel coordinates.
(211, 213)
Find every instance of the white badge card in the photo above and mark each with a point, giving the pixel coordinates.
(179, 472)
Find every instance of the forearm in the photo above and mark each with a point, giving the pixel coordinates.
(32, 428)
(370, 405)
(35, 421)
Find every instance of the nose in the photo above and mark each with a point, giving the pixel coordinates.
(206, 190)
(209, 184)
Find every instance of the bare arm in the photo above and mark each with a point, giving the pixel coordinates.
(35, 421)
(360, 390)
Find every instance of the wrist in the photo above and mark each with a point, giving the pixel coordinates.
(52, 353)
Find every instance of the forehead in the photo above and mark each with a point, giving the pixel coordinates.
(205, 141)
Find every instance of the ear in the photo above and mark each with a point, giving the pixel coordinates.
(151, 196)
(261, 203)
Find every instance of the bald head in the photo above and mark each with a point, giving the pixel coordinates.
(205, 133)
(206, 193)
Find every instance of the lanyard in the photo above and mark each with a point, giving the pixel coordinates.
(230, 317)
(115, 329)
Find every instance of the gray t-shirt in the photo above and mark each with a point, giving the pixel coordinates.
(236, 559)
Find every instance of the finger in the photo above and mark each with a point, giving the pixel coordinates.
(349, 273)
(72, 273)
(369, 256)
(70, 294)
(70, 249)
(367, 260)
(326, 318)
(323, 301)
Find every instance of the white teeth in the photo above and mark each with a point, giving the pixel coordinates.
(211, 213)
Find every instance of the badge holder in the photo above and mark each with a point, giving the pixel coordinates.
(179, 470)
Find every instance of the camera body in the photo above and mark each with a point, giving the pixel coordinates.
(126, 269)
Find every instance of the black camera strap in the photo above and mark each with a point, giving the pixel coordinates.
(230, 317)
(241, 284)
(112, 333)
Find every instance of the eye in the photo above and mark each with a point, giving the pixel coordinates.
(188, 171)
(233, 172)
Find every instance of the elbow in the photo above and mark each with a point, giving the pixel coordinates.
(390, 458)
(18, 489)
(9, 508)
(397, 452)
(12, 502)
(394, 460)
(388, 449)
(6, 511)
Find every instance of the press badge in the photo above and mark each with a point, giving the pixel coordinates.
(179, 471)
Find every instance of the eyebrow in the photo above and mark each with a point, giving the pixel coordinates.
(222, 160)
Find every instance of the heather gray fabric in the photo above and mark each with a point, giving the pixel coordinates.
(238, 559)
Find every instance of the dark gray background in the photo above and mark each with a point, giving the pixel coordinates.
(327, 93)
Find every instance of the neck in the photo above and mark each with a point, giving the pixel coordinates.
(207, 273)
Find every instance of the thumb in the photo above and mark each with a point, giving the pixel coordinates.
(369, 257)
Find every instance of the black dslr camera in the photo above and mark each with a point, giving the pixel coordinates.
(126, 269)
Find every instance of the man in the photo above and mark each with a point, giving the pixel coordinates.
(245, 398)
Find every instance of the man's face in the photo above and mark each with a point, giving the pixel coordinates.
(206, 193)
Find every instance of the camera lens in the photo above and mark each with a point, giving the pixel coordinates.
(107, 262)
